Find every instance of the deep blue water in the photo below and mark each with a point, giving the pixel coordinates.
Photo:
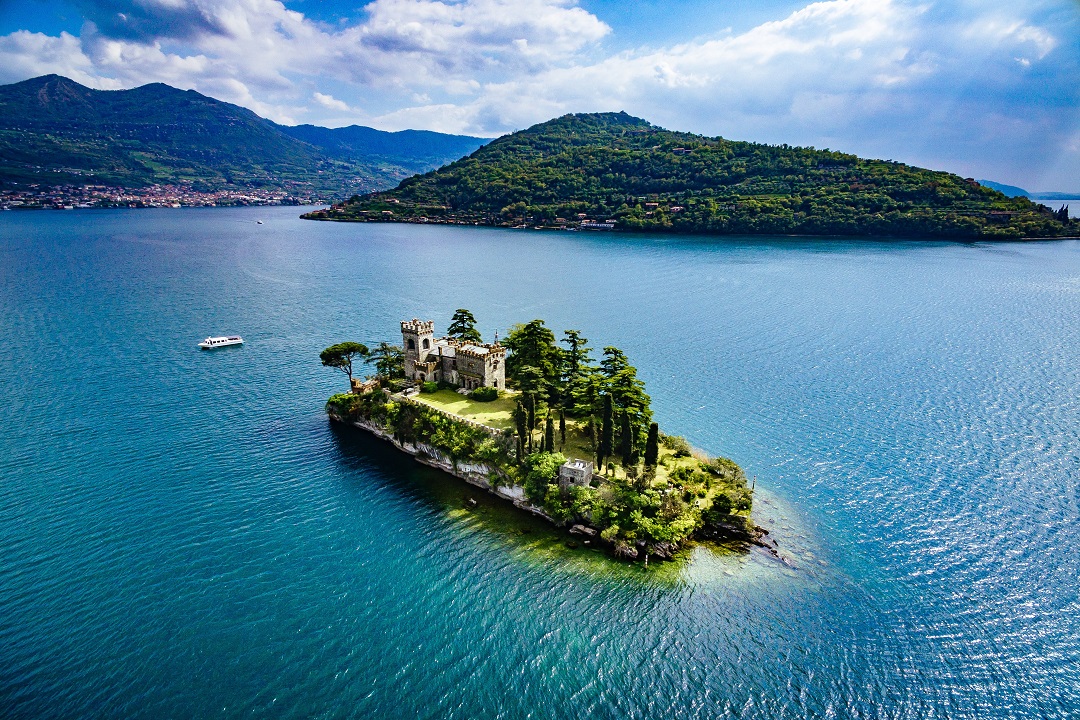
(183, 534)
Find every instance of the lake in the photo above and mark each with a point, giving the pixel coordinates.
(185, 534)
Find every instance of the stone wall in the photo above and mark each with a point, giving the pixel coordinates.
(476, 474)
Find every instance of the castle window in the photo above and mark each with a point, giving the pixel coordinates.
(427, 344)
(412, 345)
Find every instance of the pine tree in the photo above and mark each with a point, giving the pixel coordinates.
(652, 446)
(576, 369)
(532, 345)
(463, 326)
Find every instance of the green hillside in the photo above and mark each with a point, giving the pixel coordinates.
(56, 131)
(614, 167)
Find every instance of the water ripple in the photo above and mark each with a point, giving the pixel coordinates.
(185, 534)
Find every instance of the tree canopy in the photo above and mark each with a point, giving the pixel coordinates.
(389, 361)
(342, 356)
(535, 361)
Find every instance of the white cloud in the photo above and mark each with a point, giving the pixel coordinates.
(330, 102)
(25, 54)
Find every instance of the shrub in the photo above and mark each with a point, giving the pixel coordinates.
(727, 469)
(610, 533)
(540, 469)
(429, 387)
(484, 394)
(677, 445)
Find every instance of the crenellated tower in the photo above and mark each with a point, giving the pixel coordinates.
(417, 340)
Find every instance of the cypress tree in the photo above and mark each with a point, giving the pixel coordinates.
(626, 441)
(652, 446)
(519, 422)
(530, 407)
(607, 433)
(549, 434)
(562, 429)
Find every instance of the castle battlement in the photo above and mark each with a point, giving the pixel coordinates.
(418, 326)
(479, 351)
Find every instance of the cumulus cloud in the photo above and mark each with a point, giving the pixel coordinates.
(330, 102)
(25, 54)
(398, 42)
(150, 20)
(261, 49)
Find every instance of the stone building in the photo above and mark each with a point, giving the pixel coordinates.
(462, 363)
(575, 472)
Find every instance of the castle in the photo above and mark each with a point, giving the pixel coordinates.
(463, 363)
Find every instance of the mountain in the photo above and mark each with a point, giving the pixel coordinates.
(1055, 195)
(1007, 190)
(55, 131)
(419, 149)
(618, 169)
(1013, 191)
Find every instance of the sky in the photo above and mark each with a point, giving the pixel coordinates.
(984, 88)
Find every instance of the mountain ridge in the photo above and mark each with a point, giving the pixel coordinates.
(55, 131)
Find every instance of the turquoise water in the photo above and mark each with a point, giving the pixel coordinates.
(183, 533)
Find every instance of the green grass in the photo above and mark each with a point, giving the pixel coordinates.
(497, 413)
(577, 444)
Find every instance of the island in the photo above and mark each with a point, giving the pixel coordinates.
(612, 171)
(543, 425)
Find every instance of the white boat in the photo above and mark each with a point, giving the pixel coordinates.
(211, 343)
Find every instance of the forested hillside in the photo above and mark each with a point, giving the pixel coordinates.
(592, 170)
(55, 131)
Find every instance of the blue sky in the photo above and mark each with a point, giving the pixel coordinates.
(987, 88)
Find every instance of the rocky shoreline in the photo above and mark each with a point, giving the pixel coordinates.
(480, 475)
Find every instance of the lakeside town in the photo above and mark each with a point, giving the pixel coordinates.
(72, 197)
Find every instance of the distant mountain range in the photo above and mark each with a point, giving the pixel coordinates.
(55, 131)
(614, 171)
(1013, 191)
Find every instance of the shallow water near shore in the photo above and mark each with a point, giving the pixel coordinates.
(184, 533)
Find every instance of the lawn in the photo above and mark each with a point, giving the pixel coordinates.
(496, 414)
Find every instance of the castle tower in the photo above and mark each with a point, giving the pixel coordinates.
(495, 365)
(417, 340)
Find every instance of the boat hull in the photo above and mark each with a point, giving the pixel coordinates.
(219, 342)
